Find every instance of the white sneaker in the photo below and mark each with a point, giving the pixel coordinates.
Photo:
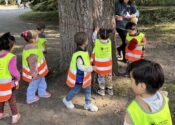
(91, 107)
(68, 104)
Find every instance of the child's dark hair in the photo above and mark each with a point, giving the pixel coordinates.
(104, 33)
(7, 41)
(130, 26)
(40, 26)
(80, 38)
(148, 72)
(27, 35)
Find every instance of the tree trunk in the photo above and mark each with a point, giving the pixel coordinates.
(81, 15)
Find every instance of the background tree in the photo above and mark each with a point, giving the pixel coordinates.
(82, 15)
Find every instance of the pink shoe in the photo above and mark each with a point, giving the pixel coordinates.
(16, 118)
(4, 115)
(34, 100)
(47, 95)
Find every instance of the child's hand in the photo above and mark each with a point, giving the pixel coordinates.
(97, 29)
(94, 68)
(34, 75)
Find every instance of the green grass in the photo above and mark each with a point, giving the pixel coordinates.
(51, 16)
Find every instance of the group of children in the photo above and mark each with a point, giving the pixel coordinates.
(34, 70)
(150, 107)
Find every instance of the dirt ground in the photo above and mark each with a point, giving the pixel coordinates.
(161, 48)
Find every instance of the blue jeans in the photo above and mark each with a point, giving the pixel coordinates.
(76, 89)
(36, 84)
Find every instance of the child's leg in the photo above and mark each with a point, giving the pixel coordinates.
(2, 107)
(2, 114)
(101, 82)
(88, 105)
(31, 90)
(12, 104)
(15, 114)
(109, 84)
(73, 92)
(87, 92)
(42, 88)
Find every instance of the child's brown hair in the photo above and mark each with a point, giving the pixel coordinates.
(80, 38)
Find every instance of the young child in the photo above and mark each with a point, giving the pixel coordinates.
(150, 106)
(135, 43)
(101, 58)
(34, 68)
(42, 41)
(9, 77)
(79, 74)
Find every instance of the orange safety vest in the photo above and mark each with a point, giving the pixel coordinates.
(41, 64)
(101, 57)
(71, 78)
(137, 53)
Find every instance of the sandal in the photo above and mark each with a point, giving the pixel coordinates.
(36, 98)
(47, 95)
(4, 115)
(16, 118)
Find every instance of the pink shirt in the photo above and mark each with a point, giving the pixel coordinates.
(12, 66)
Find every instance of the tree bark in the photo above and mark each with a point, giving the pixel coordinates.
(81, 15)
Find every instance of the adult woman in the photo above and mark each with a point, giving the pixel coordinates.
(125, 11)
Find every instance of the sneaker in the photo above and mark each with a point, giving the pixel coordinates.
(4, 115)
(34, 100)
(68, 104)
(101, 92)
(16, 118)
(110, 91)
(47, 95)
(91, 107)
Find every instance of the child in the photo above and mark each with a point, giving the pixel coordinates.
(42, 41)
(79, 74)
(9, 77)
(34, 68)
(135, 43)
(101, 58)
(150, 107)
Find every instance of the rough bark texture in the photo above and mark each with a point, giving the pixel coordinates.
(81, 15)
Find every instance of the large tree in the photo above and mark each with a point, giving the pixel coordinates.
(82, 15)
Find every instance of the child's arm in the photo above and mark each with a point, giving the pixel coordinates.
(13, 69)
(94, 35)
(144, 42)
(32, 61)
(83, 67)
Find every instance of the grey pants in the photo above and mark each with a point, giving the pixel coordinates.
(105, 81)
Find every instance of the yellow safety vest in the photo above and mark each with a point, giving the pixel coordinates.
(71, 78)
(136, 54)
(102, 57)
(40, 43)
(6, 78)
(41, 64)
(140, 117)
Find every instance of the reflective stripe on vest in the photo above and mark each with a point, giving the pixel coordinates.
(140, 117)
(5, 78)
(41, 65)
(71, 78)
(136, 54)
(102, 55)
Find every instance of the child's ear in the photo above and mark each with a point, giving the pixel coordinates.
(143, 86)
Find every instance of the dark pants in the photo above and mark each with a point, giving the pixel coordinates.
(12, 104)
(121, 48)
